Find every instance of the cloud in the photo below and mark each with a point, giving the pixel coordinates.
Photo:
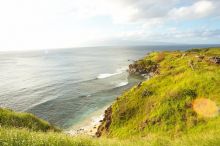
(199, 9)
(133, 11)
(199, 35)
(123, 11)
(66, 23)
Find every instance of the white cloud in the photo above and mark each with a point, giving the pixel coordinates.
(123, 11)
(153, 23)
(134, 11)
(197, 10)
(200, 35)
(65, 23)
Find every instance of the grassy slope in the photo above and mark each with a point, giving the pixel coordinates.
(164, 103)
(9, 118)
(23, 137)
(159, 112)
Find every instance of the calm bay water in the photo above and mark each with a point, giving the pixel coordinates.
(65, 86)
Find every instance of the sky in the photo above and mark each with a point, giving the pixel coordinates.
(45, 24)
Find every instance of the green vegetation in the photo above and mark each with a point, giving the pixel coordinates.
(24, 137)
(8, 118)
(178, 106)
(164, 104)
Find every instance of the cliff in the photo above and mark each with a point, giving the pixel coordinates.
(177, 106)
(182, 95)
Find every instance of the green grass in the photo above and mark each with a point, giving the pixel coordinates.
(9, 118)
(159, 112)
(164, 103)
(23, 137)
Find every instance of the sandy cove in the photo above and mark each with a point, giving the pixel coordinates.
(88, 126)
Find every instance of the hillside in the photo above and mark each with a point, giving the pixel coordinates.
(9, 119)
(181, 96)
(177, 106)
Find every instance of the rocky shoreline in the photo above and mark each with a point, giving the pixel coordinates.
(87, 128)
(103, 121)
(145, 68)
(149, 67)
(142, 67)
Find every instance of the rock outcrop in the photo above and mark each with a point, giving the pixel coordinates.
(215, 60)
(143, 67)
(106, 122)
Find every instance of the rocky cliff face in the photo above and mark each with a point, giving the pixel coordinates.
(105, 123)
(140, 67)
(171, 100)
(143, 67)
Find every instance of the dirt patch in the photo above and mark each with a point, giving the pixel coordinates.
(205, 107)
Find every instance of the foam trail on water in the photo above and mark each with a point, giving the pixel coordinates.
(107, 75)
(122, 84)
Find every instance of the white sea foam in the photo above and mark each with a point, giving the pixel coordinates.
(107, 75)
(122, 84)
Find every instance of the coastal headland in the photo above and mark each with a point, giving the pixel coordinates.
(176, 104)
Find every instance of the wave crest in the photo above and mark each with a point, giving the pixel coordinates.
(122, 84)
(107, 75)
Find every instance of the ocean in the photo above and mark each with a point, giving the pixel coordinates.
(65, 86)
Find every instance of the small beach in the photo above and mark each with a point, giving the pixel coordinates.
(88, 126)
(69, 87)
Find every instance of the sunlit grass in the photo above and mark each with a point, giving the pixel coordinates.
(173, 108)
(9, 118)
(23, 137)
(168, 107)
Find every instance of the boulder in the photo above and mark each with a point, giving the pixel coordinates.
(215, 60)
